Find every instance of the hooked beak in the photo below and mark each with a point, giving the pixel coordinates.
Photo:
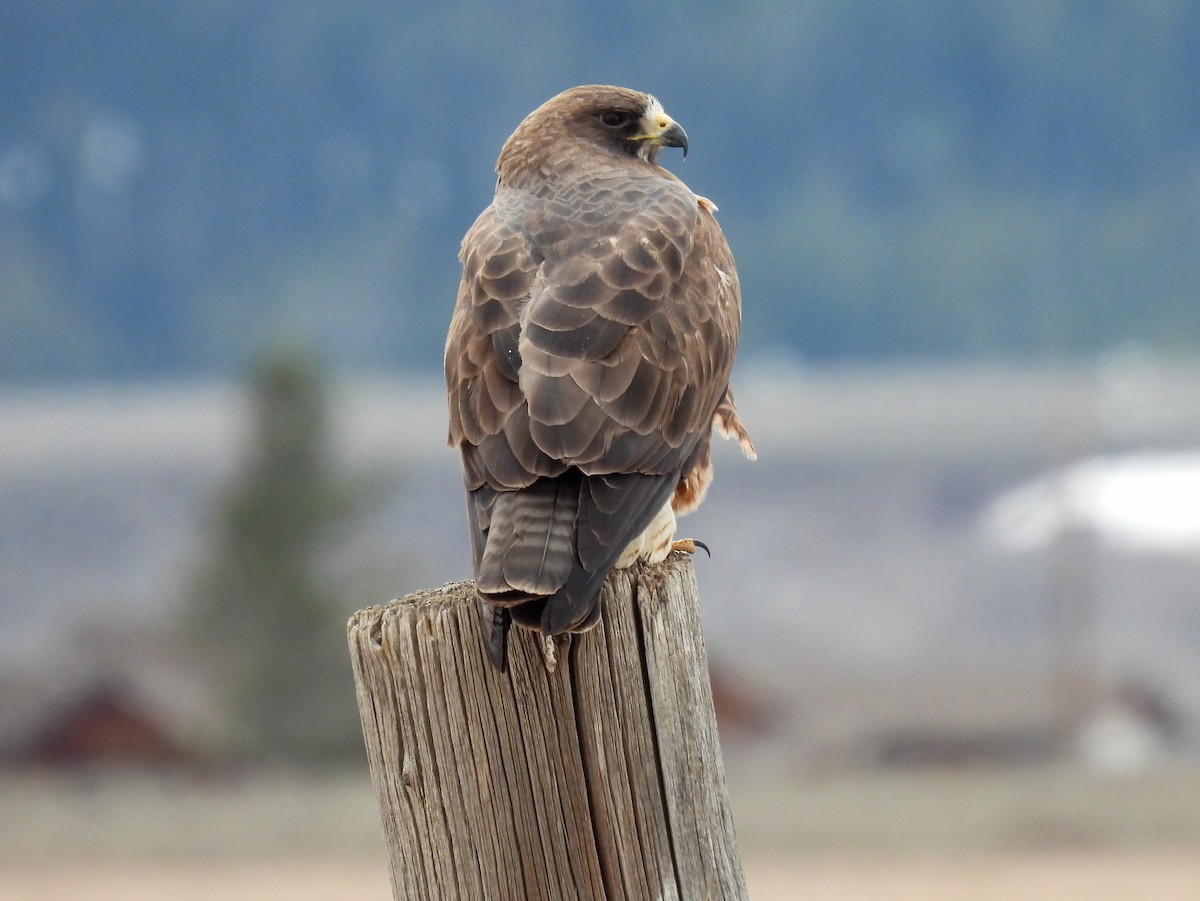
(663, 131)
(674, 136)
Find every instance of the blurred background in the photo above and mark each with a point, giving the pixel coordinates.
(953, 612)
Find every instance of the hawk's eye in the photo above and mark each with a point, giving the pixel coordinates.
(614, 118)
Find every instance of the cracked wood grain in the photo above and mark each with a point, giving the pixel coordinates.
(599, 780)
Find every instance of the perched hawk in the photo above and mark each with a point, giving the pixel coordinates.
(588, 359)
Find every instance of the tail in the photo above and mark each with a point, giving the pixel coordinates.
(529, 549)
(542, 552)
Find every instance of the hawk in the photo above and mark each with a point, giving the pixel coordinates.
(588, 359)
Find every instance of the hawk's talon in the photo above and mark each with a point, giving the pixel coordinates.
(689, 545)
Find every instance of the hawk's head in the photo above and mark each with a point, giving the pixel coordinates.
(616, 121)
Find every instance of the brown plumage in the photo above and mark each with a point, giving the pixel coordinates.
(588, 358)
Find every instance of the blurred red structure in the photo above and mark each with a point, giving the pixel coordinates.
(104, 726)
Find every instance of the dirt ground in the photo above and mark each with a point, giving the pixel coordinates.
(1163, 876)
(972, 836)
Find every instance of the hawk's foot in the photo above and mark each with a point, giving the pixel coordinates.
(689, 545)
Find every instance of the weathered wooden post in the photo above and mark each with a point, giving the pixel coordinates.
(599, 780)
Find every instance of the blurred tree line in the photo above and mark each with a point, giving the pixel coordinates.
(180, 182)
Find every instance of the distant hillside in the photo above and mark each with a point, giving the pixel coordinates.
(182, 183)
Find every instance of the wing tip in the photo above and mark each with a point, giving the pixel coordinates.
(496, 623)
(575, 608)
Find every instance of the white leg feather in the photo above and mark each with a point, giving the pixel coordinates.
(654, 544)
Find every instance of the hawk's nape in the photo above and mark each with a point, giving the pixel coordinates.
(588, 359)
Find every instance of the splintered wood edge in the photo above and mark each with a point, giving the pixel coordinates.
(449, 595)
(369, 621)
(454, 594)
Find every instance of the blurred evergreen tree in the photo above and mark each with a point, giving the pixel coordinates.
(263, 612)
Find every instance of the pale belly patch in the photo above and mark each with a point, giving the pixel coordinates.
(654, 544)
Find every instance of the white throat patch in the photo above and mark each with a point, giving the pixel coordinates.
(650, 118)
